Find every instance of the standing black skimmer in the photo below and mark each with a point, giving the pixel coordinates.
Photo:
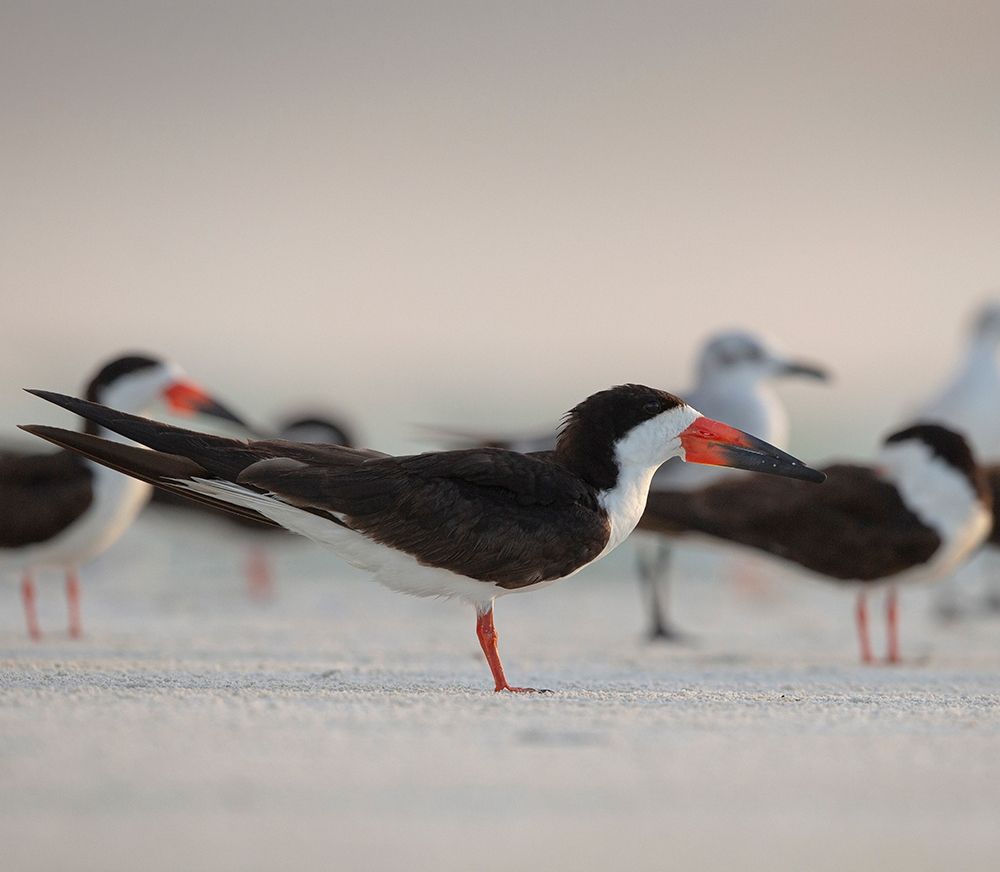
(61, 510)
(916, 515)
(734, 383)
(473, 524)
(969, 402)
(312, 428)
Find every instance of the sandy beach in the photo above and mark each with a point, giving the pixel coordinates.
(344, 726)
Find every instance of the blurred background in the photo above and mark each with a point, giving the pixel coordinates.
(478, 214)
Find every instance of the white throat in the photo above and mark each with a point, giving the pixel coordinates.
(940, 496)
(138, 392)
(118, 498)
(638, 455)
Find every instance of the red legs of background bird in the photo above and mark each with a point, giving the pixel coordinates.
(488, 640)
(73, 602)
(260, 579)
(30, 613)
(861, 616)
(892, 626)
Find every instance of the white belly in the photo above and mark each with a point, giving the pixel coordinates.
(117, 500)
(395, 569)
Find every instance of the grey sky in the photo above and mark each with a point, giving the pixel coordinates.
(483, 212)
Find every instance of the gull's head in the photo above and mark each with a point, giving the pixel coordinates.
(986, 323)
(740, 356)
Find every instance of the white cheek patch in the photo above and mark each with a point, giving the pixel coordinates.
(657, 440)
(639, 454)
(139, 391)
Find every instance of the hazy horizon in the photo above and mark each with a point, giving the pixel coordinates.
(475, 214)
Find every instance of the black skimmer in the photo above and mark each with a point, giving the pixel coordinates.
(473, 524)
(61, 510)
(313, 428)
(736, 372)
(916, 515)
(969, 402)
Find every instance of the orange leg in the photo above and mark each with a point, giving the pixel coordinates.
(861, 616)
(73, 602)
(260, 578)
(30, 613)
(892, 624)
(488, 640)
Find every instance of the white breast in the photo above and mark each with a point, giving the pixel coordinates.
(117, 500)
(395, 569)
(942, 498)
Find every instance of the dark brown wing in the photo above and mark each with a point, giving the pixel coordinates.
(275, 448)
(854, 526)
(41, 495)
(486, 513)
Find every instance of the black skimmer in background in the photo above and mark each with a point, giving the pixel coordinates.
(312, 428)
(61, 510)
(474, 524)
(969, 402)
(921, 510)
(735, 375)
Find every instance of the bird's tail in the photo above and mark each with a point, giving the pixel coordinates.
(170, 472)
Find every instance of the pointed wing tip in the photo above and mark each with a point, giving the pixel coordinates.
(35, 429)
(44, 431)
(52, 396)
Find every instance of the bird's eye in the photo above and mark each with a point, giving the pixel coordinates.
(653, 407)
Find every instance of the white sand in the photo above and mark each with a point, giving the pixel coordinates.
(343, 726)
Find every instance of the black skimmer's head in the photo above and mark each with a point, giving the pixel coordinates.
(633, 429)
(135, 383)
(937, 474)
(317, 429)
(739, 355)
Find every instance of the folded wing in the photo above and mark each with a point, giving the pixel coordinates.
(488, 514)
(854, 527)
